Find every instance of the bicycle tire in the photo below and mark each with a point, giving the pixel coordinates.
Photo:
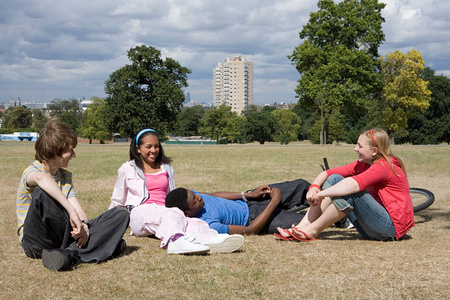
(425, 198)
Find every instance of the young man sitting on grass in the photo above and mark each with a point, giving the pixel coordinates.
(261, 210)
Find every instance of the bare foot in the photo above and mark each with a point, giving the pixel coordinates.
(302, 234)
(284, 232)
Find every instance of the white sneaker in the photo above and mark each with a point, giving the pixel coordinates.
(225, 243)
(348, 224)
(186, 245)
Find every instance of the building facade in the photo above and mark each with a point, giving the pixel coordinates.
(233, 83)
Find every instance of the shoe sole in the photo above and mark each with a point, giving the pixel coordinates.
(187, 251)
(54, 260)
(230, 244)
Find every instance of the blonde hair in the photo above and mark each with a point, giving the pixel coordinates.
(378, 138)
(54, 139)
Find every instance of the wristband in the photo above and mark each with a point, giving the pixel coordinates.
(314, 185)
(243, 197)
(87, 223)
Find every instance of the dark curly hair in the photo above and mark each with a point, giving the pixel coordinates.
(178, 198)
(134, 154)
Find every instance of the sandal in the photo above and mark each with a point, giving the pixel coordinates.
(306, 237)
(284, 238)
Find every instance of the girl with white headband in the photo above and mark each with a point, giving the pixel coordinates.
(141, 187)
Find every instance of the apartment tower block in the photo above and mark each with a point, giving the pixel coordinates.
(233, 83)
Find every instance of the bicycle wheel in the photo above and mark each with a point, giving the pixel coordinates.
(421, 198)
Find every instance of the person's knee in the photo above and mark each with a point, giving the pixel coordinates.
(40, 196)
(333, 179)
(121, 214)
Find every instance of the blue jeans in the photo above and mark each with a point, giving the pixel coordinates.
(369, 217)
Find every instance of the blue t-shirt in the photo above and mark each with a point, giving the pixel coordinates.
(219, 212)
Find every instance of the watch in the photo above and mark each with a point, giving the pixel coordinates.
(87, 223)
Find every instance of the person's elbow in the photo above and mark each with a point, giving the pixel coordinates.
(37, 179)
(233, 229)
(352, 185)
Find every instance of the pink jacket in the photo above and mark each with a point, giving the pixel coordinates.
(150, 219)
(130, 189)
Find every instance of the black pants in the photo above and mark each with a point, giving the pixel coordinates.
(47, 226)
(294, 194)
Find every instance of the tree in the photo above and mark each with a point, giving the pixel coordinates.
(147, 93)
(308, 119)
(18, 117)
(232, 131)
(337, 61)
(94, 125)
(189, 120)
(336, 131)
(38, 119)
(289, 126)
(404, 91)
(432, 126)
(215, 122)
(260, 125)
(68, 111)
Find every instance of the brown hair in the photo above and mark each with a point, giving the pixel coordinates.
(54, 139)
(378, 138)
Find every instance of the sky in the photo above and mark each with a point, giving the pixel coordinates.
(67, 49)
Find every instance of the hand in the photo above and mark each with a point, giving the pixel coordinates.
(275, 195)
(83, 237)
(313, 198)
(80, 230)
(259, 192)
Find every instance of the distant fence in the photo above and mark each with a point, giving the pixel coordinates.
(190, 142)
(20, 136)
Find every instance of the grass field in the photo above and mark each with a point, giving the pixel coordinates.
(338, 266)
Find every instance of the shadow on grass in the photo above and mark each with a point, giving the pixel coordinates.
(340, 235)
(130, 249)
(429, 214)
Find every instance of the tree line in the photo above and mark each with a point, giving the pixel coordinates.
(345, 86)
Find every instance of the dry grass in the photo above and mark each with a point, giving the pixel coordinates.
(340, 265)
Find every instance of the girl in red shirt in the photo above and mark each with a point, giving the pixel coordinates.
(373, 191)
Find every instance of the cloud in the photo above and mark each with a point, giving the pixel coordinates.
(63, 49)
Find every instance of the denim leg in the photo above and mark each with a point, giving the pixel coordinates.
(340, 202)
(370, 218)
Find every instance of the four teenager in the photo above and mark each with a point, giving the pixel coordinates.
(372, 191)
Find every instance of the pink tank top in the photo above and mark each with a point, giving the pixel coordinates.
(157, 185)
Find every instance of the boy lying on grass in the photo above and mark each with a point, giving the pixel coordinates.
(261, 210)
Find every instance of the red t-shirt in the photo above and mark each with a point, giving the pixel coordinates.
(389, 189)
